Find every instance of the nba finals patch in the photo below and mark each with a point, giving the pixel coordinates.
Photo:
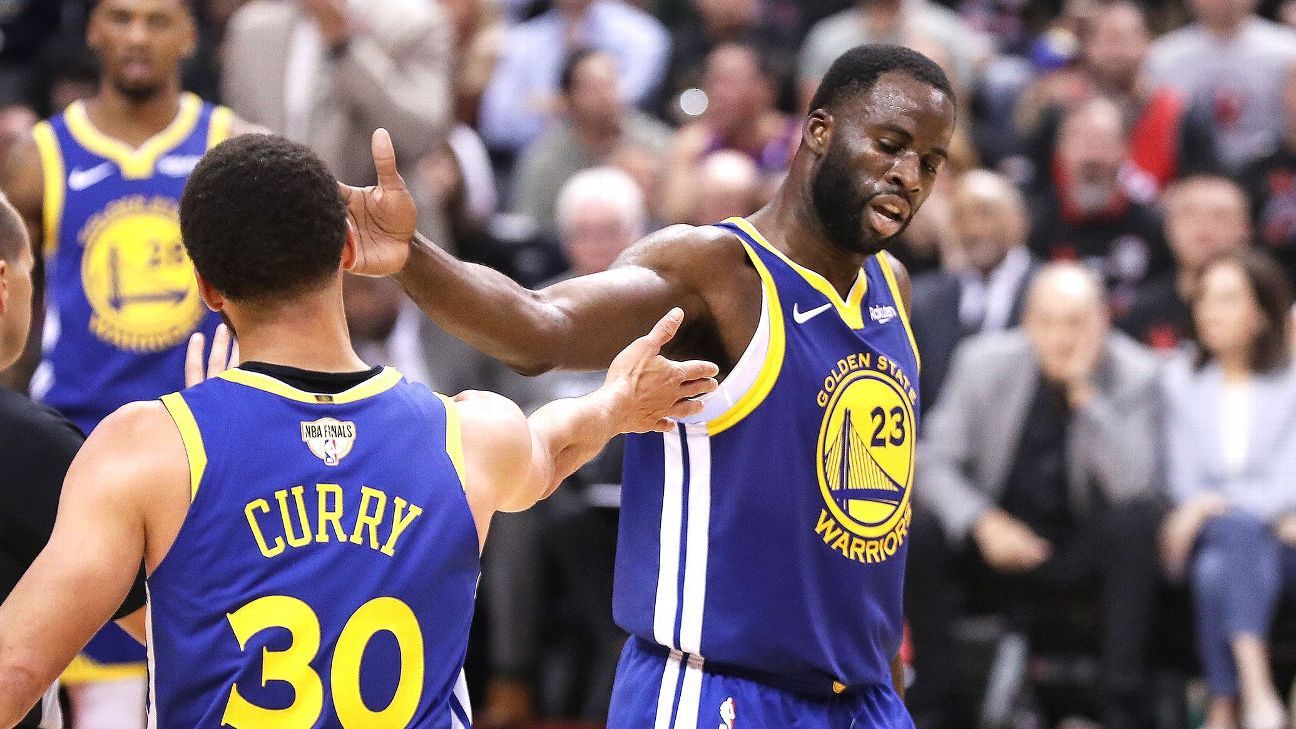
(137, 276)
(866, 457)
(330, 440)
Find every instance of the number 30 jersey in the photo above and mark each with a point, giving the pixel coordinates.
(121, 299)
(767, 536)
(325, 573)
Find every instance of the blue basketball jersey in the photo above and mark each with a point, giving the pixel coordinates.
(325, 573)
(767, 536)
(120, 294)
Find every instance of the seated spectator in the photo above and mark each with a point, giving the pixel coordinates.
(1039, 462)
(1233, 62)
(549, 570)
(1168, 138)
(902, 22)
(384, 326)
(521, 99)
(596, 124)
(729, 186)
(1230, 424)
(740, 116)
(719, 22)
(1204, 217)
(1085, 214)
(1272, 183)
(479, 37)
(986, 287)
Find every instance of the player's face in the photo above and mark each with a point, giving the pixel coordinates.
(15, 319)
(140, 43)
(884, 150)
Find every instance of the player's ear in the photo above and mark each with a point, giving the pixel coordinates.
(818, 130)
(350, 250)
(210, 296)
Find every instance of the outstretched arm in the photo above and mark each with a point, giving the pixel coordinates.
(80, 579)
(513, 461)
(578, 324)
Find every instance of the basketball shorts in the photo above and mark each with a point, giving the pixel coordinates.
(655, 690)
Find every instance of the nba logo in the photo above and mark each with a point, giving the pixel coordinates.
(330, 440)
(728, 713)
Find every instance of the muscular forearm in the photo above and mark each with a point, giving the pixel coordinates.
(567, 434)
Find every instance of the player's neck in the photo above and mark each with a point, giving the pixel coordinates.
(306, 335)
(791, 225)
(133, 121)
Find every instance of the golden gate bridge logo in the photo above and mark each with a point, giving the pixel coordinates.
(859, 485)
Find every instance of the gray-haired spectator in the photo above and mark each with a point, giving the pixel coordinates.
(1233, 61)
(1039, 462)
(596, 125)
(729, 186)
(521, 99)
(1230, 425)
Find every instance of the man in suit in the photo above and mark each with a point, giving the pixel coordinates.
(991, 226)
(328, 72)
(1040, 474)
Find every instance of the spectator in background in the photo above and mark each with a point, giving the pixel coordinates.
(986, 289)
(1232, 61)
(1087, 215)
(729, 186)
(328, 72)
(719, 22)
(26, 26)
(1231, 451)
(66, 71)
(1168, 138)
(595, 124)
(1205, 216)
(902, 22)
(479, 38)
(385, 327)
(740, 116)
(1272, 183)
(1039, 461)
(553, 564)
(521, 99)
(16, 122)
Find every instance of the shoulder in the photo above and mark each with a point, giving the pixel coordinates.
(262, 16)
(993, 350)
(1174, 45)
(490, 424)
(1278, 37)
(687, 250)
(22, 175)
(134, 449)
(933, 289)
(629, 18)
(401, 21)
(1137, 365)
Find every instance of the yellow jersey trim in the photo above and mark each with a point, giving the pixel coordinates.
(379, 383)
(84, 669)
(848, 309)
(773, 364)
(218, 128)
(192, 438)
(52, 170)
(884, 262)
(135, 164)
(454, 438)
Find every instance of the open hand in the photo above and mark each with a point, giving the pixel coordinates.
(381, 216)
(650, 390)
(1007, 544)
(224, 355)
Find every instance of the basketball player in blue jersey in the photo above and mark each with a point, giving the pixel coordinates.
(99, 187)
(762, 542)
(311, 526)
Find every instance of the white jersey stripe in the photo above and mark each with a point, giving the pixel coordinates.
(669, 556)
(698, 536)
(666, 693)
(148, 649)
(460, 692)
(690, 695)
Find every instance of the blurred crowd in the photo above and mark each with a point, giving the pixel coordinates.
(1106, 485)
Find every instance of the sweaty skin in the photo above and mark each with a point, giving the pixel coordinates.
(887, 143)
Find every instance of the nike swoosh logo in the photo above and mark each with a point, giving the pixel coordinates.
(801, 317)
(79, 179)
(178, 165)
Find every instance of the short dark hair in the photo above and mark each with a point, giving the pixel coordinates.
(567, 79)
(262, 218)
(1273, 294)
(13, 231)
(856, 70)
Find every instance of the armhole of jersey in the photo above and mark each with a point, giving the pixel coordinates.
(884, 263)
(192, 438)
(773, 362)
(52, 171)
(454, 438)
(218, 127)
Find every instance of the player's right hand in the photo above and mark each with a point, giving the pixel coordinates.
(649, 390)
(382, 217)
(224, 355)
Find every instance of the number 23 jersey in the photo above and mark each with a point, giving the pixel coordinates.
(767, 536)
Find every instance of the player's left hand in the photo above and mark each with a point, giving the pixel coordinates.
(224, 355)
(383, 216)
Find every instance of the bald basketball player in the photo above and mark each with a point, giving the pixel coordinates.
(762, 542)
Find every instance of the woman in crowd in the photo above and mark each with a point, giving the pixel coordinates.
(1231, 454)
